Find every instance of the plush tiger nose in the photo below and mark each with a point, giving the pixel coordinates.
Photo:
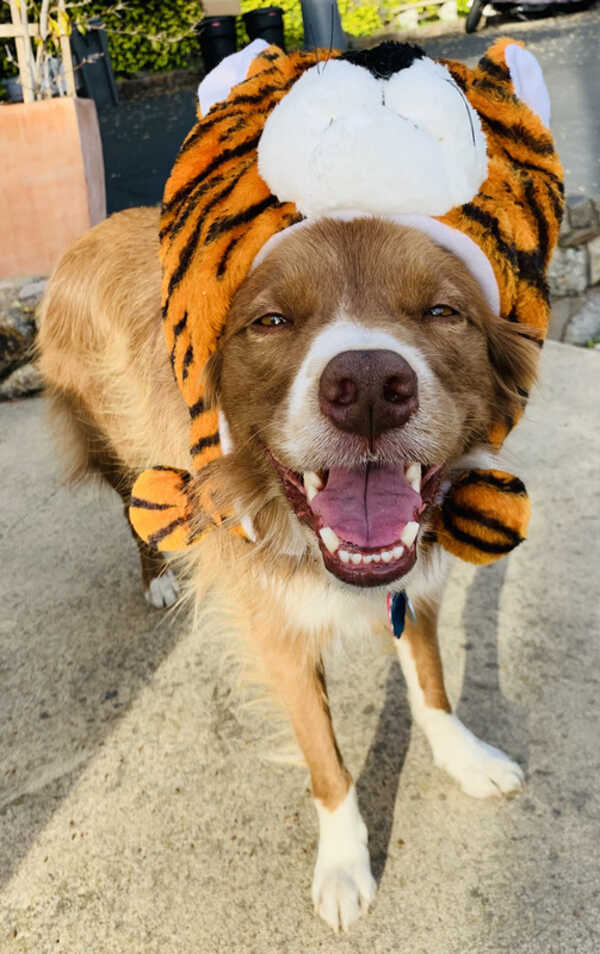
(368, 392)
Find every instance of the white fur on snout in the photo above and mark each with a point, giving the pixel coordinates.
(163, 590)
(343, 886)
(303, 412)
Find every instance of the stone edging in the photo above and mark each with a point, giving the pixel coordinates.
(574, 273)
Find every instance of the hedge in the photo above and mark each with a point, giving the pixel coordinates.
(154, 35)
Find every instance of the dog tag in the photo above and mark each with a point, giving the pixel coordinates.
(397, 606)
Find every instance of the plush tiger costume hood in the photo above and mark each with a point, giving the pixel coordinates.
(464, 155)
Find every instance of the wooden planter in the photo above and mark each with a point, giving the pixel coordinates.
(51, 181)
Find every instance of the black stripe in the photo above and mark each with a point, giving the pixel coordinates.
(179, 219)
(491, 86)
(148, 504)
(221, 267)
(557, 204)
(531, 270)
(242, 149)
(491, 223)
(205, 125)
(237, 125)
(492, 523)
(500, 72)
(184, 259)
(197, 408)
(204, 442)
(540, 218)
(519, 135)
(532, 167)
(484, 545)
(187, 360)
(511, 485)
(155, 538)
(240, 218)
(178, 328)
(529, 264)
(191, 244)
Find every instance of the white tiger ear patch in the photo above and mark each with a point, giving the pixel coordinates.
(342, 139)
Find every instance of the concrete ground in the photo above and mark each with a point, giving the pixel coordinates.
(136, 815)
(141, 138)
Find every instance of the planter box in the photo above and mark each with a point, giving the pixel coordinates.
(52, 181)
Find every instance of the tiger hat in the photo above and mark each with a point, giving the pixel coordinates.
(463, 154)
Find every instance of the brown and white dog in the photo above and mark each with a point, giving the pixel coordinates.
(360, 367)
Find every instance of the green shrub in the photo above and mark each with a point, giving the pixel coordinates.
(146, 34)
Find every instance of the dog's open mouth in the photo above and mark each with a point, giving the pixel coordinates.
(367, 519)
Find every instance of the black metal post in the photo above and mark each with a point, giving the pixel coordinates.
(322, 25)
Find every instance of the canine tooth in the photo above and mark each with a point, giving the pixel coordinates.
(397, 552)
(409, 534)
(329, 538)
(413, 476)
(386, 556)
(312, 484)
(356, 558)
(344, 556)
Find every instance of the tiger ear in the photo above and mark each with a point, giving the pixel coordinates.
(528, 80)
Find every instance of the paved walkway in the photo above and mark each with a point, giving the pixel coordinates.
(136, 817)
(141, 137)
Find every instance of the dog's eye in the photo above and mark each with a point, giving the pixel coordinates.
(441, 311)
(271, 321)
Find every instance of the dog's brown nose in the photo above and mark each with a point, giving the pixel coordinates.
(368, 392)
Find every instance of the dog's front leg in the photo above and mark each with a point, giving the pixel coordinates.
(479, 768)
(343, 885)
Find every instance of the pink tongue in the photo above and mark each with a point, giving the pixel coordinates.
(367, 506)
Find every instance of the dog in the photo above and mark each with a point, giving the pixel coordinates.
(359, 369)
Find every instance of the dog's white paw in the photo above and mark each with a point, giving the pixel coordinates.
(343, 886)
(480, 769)
(163, 590)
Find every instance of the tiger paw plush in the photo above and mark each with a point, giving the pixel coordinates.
(464, 155)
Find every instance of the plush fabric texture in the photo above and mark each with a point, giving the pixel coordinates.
(218, 213)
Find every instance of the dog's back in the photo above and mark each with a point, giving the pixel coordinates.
(102, 351)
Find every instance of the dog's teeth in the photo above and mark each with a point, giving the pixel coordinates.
(397, 552)
(386, 556)
(344, 556)
(370, 558)
(413, 476)
(312, 484)
(329, 538)
(376, 558)
(356, 558)
(409, 534)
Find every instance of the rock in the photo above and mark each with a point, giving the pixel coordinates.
(585, 324)
(580, 212)
(560, 315)
(14, 348)
(568, 272)
(33, 289)
(19, 300)
(22, 382)
(593, 248)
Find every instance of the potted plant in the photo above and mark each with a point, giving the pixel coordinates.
(52, 187)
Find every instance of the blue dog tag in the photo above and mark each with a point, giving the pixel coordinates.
(398, 605)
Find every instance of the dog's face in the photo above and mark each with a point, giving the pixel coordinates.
(359, 364)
